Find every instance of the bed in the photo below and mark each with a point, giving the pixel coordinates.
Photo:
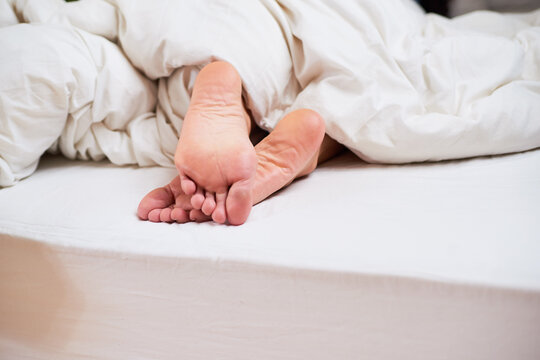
(356, 261)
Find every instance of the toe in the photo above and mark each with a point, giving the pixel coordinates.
(157, 199)
(188, 186)
(155, 215)
(209, 204)
(198, 198)
(165, 215)
(198, 216)
(220, 214)
(179, 215)
(238, 203)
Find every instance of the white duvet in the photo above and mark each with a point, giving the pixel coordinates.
(95, 79)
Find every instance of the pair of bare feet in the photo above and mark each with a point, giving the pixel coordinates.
(220, 173)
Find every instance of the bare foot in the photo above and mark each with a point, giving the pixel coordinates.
(170, 204)
(166, 204)
(215, 159)
(290, 151)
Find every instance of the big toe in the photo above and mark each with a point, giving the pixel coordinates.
(239, 202)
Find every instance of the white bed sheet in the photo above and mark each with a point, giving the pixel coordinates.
(438, 261)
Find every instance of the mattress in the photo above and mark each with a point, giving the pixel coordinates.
(355, 261)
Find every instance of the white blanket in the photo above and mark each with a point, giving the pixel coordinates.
(393, 84)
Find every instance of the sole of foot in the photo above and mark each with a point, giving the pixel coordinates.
(215, 159)
(290, 151)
